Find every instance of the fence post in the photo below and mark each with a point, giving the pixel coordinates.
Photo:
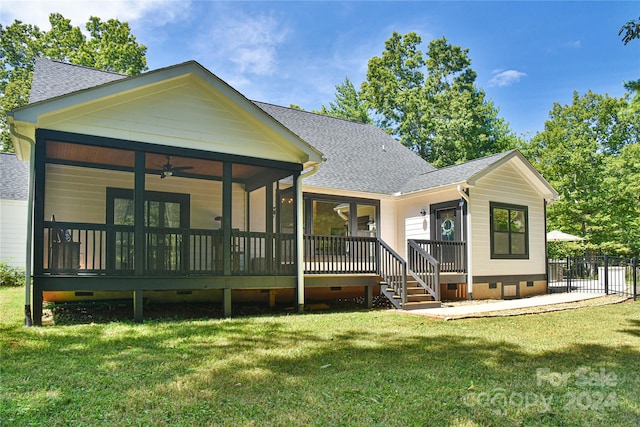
(568, 272)
(635, 278)
(606, 274)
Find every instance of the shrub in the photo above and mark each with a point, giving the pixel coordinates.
(11, 276)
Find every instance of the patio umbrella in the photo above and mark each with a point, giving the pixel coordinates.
(559, 236)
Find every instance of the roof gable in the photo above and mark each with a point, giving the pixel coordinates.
(183, 105)
(470, 172)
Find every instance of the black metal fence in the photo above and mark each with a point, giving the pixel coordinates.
(598, 274)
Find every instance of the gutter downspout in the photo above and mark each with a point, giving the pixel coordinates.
(300, 236)
(27, 268)
(467, 200)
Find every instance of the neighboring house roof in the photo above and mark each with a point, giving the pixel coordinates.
(14, 178)
(359, 157)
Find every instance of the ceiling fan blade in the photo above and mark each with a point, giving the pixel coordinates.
(182, 168)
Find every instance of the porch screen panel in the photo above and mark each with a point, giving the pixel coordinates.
(330, 219)
(123, 232)
(164, 237)
(366, 220)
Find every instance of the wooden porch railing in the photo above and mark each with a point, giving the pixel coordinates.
(100, 249)
(424, 268)
(340, 254)
(451, 255)
(393, 270)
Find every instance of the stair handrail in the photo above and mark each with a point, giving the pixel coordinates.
(392, 268)
(424, 268)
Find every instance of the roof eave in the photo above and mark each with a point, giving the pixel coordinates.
(453, 185)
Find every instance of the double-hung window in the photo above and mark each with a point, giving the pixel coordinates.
(509, 231)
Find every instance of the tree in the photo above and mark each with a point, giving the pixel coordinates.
(431, 104)
(631, 30)
(110, 47)
(584, 153)
(348, 104)
(622, 189)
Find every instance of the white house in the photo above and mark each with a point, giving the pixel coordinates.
(173, 184)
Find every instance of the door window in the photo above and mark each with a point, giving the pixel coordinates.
(166, 216)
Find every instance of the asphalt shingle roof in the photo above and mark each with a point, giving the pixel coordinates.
(14, 177)
(52, 79)
(452, 174)
(359, 157)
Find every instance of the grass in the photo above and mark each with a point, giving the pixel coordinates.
(368, 367)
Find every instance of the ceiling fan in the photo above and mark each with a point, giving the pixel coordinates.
(168, 169)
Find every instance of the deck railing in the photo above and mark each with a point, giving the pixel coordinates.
(256, 253)
(393, 270)
(424, 268)
(100, 249)
(340, 254)
(451, 255)
(70, 247)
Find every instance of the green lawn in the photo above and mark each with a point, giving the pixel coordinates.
(576, 367)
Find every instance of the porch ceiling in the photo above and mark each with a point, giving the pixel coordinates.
(125, 159)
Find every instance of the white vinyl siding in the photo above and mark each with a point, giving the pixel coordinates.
(506, 185)
(411, 224)
(77, 194)
(13, 232)
(191, 116)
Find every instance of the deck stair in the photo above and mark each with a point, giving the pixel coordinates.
(417, 296)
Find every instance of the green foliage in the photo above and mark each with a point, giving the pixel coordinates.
(430, 101)
(110, 46)
(631, 30)
(11, 276)
(348, 104)
(589, 152)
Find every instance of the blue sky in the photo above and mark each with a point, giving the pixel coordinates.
(527, 55)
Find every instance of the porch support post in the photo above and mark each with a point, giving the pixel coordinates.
(368, 296)
(138, 231)
(469, 246)
(39, 170)
(268, 244)
(299, 229)
(37, 306)
(138, 301)
(138, 214)
(227, 302)
(227, 188)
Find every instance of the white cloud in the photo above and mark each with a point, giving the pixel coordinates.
(505, 78)
(249, 42)
(574, 44)
(37, 12)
